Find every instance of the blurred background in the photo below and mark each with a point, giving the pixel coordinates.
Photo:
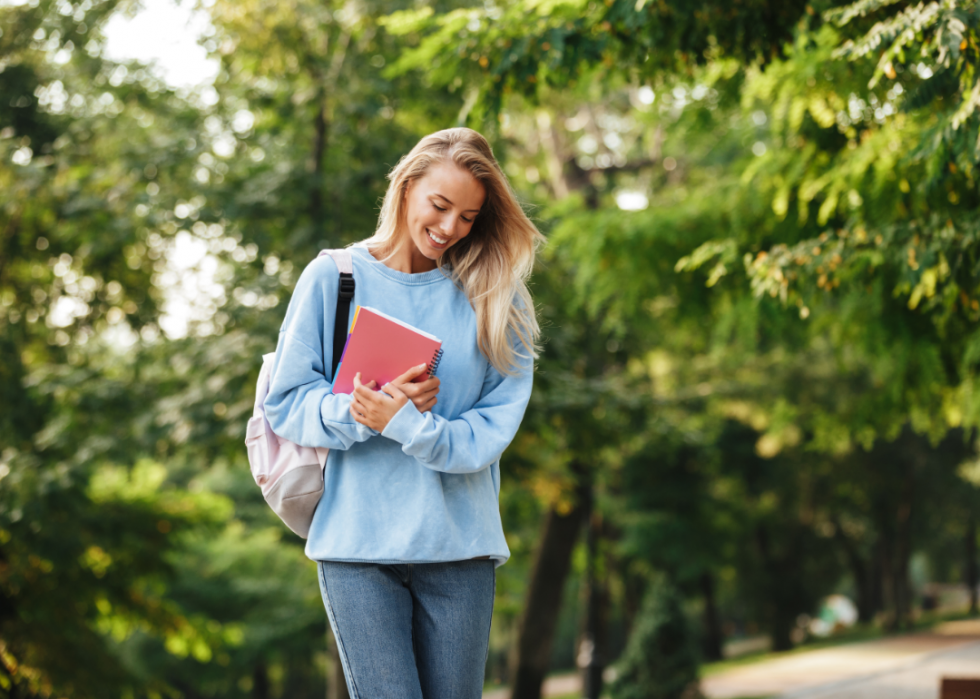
(754, 420)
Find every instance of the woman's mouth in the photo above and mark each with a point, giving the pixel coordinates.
(436, 241)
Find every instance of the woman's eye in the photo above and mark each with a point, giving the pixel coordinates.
(440, 208)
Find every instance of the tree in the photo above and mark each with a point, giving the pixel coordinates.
(123, 458)
(760, 380)
(745, 140)
(660, 661)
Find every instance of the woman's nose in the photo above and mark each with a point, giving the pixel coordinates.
(448, 225)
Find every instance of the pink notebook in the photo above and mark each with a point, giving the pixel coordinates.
(383, 348)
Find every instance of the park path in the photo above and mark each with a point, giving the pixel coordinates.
(555, 686)
(902, 667)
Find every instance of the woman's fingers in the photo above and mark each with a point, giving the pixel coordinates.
(358, 384)
(357, 406)
(417, 396)
(411, 374)
(365, 393)
(357, 410)
(422, 394)
(422, 390)
(395, 391)
(376, 408)
(425, 401)
(421, 386)
(431, 384)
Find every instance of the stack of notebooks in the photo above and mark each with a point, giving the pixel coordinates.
(383, 348)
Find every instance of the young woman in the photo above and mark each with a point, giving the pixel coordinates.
(407, 534)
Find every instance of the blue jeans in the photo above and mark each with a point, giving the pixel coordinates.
(411, 631)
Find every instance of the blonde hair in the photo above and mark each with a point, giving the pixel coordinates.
(492, 264)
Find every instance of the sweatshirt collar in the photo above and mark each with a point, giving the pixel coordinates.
(419, 278)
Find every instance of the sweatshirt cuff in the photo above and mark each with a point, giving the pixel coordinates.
(335, 410)
(405, 424)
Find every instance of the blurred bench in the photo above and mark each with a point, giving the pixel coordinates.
(959, 688)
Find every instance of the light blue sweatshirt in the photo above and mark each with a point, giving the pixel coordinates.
(426, 488)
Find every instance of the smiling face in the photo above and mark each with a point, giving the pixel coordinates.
(440, 208)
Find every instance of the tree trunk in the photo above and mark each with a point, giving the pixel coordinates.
(903, 551)
(971, 561)
(10, 231)
(260, 681)
(889, 587)
(779, 620)
(633, 588)
(532, 652)
(877, 579)
(549, 142)
(321, 130)
(781, 630)
(714, 638)
(863, 579)
(593, 645)
(319, 149)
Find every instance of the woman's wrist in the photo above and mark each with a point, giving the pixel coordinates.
(405, 424)
(375, 408)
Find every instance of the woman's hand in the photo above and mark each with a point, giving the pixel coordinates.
(376, 408)
(423, 393)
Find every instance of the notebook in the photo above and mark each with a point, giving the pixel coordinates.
(383, 348)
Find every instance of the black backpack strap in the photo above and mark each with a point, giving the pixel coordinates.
(342, 259)
(341, 318)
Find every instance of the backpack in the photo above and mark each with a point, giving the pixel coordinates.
(290, 475)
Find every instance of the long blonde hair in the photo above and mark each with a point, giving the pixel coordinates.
(492, 264)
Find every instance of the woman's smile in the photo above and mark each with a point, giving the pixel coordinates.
(436, 240)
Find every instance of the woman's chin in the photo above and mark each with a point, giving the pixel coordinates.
(427, 249)
(430, 251)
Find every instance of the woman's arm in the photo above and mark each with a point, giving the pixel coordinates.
(476, 438)
(301, 405)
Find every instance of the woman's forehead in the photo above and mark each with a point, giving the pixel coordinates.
(454, 185)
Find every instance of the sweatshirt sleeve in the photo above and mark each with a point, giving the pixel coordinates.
(475, 439)
(301, 406)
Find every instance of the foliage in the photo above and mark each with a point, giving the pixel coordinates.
(135, 307)
(759, 301)
(836, 147)
(518, 46)
(660, 661)
(809, 178)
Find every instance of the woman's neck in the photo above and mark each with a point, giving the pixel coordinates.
(405, 258)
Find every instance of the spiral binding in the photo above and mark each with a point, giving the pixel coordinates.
(434, 364)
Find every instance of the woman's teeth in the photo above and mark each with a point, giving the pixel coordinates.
(436, 239)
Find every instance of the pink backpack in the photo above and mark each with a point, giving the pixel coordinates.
(290, 475)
